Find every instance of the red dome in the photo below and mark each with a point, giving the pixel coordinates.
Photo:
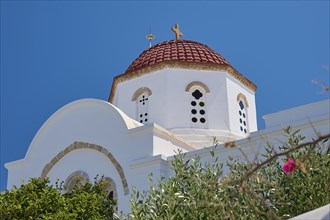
(177, 50)
(178, 54)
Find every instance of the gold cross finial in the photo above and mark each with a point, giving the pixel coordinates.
(177, 32)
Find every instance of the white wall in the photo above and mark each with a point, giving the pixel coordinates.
(304, 112)
(96, 122)
(310, 127)
(169, 104)
(234, 88)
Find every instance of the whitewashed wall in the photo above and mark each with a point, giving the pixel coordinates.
(140, 150)
(92, 122)
(169, 104)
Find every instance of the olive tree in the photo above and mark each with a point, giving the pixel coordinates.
(286, 182)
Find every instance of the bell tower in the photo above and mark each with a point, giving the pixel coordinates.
(190, 90)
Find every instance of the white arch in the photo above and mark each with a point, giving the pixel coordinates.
(124, 124)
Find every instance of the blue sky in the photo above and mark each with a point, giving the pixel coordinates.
(55, 52)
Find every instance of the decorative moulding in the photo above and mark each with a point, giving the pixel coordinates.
(181, 65)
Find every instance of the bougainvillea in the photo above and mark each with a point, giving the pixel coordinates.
(289, 166)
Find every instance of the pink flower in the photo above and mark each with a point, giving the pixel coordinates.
(289, 166)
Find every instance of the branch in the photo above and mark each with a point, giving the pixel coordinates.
(262, 201)
(276, 155)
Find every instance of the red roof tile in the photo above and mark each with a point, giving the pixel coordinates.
(179, 50)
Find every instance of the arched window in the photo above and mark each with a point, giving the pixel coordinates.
(78, 177)
(110, 188)
(142, 108)
(242, 113)
(198, 111)
(141, 96)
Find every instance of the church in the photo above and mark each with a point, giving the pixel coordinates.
(178, 95)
